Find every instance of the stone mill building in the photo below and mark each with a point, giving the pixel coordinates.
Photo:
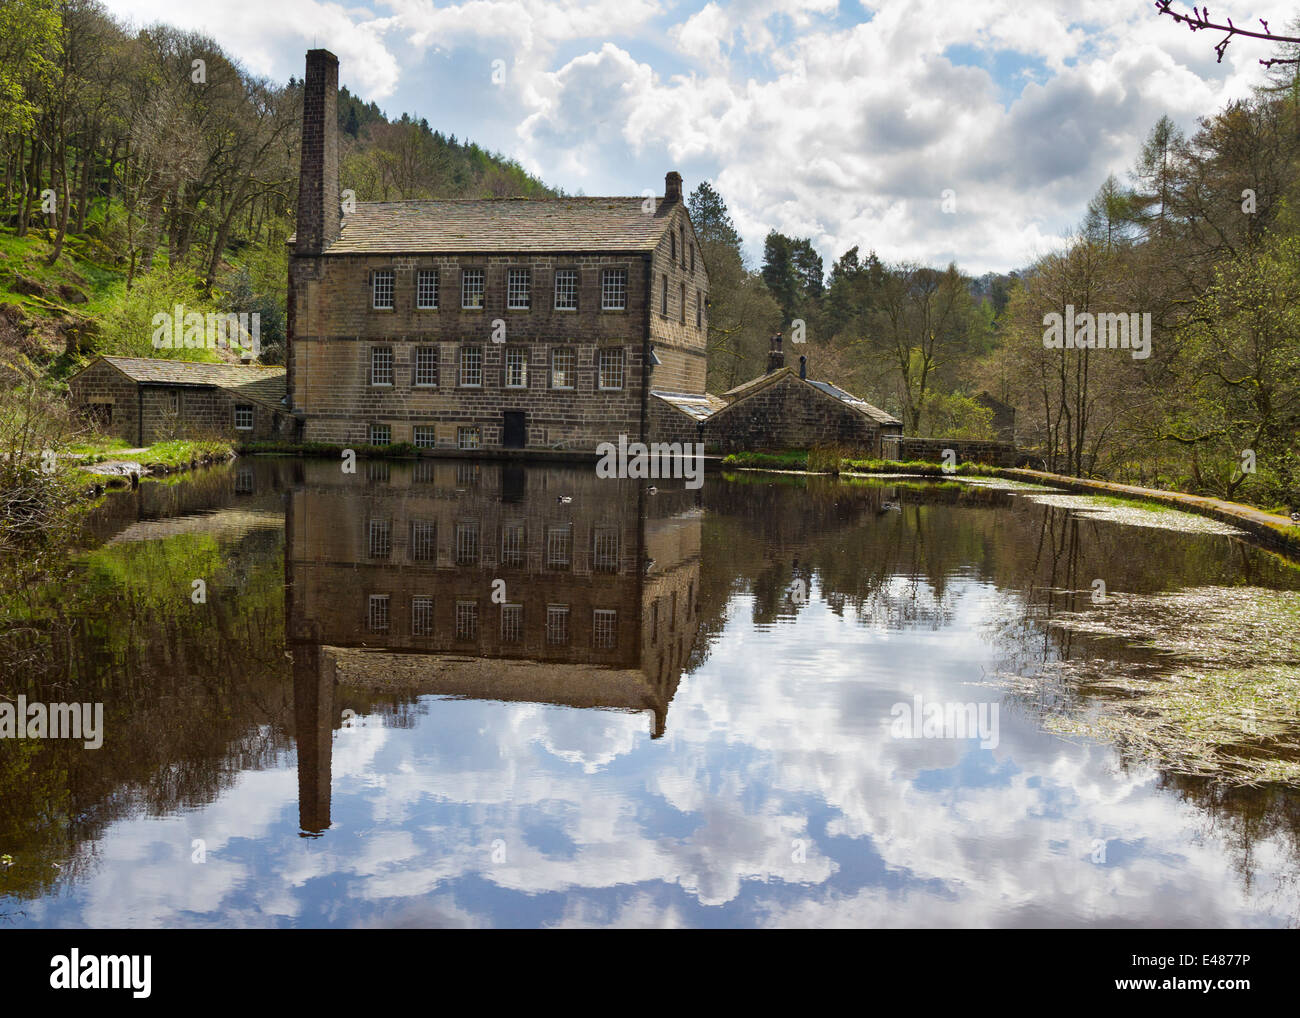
(484, 324)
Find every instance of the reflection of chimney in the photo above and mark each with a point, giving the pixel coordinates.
(803, 367)
(775, 358)
(672, 187)
(313, 705)
(318, 181)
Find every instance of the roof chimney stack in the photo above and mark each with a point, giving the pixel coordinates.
(318, 181)
(775, 357)
(803, 367)
(672, 187)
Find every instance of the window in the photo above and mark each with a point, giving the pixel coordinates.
(381, 365)
(381, 289)
(613, 289)
(467, 620)
(604, 549)
(424, 546)
(512, 623)
(422, 615)
(654, 622)
(381, 434)
(174, 400)
(377, 613)
(378, 471)
(516, 367)
(699, 309)
(245, 483)
(425, 436)
(672, 612)
(563, 362)
(426, 366)
(611, 368)
(559, 546)
(468, 437)
(663, 298)
(681, 303)
(566, 289)
(519, 283)
(672, 241)
(681, 231)
(557, 624)
(381, 538)
(467, 543)
(692, 259)
(426, 289)
(604, 629)
(468, 474)
(471, 366)
(512, 544)
(471, 288)
(243, 417)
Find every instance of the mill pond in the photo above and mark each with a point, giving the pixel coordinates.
(461, 693)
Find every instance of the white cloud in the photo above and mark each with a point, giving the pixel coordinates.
(808, 123)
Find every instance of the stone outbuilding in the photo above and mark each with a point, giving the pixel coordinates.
(143, 400)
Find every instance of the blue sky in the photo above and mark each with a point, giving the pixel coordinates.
(841, 121)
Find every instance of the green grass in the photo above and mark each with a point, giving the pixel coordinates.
(821, 462)
(1136, 503)
(183, 452)
(792, 459)
(96, 445)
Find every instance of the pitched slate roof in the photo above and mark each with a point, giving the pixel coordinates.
(451, 225)
(733, 396)
(257, 382)
(698, 406)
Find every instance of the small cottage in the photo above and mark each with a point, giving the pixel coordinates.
(143, 400)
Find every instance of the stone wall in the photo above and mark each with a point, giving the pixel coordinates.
(104, 395)
(931, 450)
(790, 414)
(143, 414)
(336, 330)
(667, 424)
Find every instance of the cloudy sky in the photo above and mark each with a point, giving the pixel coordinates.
(843, 121)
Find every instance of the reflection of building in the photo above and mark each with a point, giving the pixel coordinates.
(490, 581)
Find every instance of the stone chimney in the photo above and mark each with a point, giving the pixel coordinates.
(803, 367)
(672, 187)
(318, 181)
(775, 358)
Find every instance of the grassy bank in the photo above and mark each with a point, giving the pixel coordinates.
(816, 461)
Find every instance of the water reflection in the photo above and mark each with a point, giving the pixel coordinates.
(489, 582)
(671, 709)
